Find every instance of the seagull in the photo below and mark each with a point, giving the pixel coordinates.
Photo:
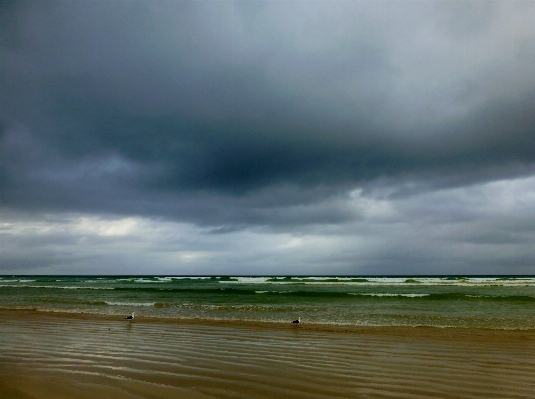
(130, 317)
(297, 321)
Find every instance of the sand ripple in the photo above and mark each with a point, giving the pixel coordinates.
(47, 356)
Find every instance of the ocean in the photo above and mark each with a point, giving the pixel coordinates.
(490, 302)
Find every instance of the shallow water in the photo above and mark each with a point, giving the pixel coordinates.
(503, 302)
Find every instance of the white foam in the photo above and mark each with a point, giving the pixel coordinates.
(378, 281)
(248, 280)
(70, 287)
(389, 294)
(161, 279)
(149, 304)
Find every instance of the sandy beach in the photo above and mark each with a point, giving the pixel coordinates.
(47, 355)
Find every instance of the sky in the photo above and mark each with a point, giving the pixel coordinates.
(267, 138)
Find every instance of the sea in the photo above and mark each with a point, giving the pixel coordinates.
(490, 302)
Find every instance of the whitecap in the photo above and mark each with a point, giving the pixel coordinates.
(147, 304)
(388, 294)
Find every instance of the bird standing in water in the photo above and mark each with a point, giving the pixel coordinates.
(130, 317)
(297, 321)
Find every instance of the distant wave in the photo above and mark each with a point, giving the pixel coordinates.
(303, 293)
(150, 280)
(390, 295)
(59, 287)
(136, 304)
(79, 281)
(432, 281)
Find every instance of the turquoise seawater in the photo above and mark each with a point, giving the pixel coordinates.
(495, 302)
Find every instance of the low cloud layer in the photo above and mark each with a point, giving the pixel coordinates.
(267, 137)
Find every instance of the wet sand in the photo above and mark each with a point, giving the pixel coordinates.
(45, 355)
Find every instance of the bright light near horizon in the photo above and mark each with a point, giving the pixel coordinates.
(100, 227)
(436, 226)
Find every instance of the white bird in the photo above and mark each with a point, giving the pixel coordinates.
(130, 317)
(297, 321)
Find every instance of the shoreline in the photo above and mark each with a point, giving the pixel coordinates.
(31, 314)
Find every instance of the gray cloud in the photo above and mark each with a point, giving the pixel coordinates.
(234, 116)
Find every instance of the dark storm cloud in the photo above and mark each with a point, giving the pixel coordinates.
(236, 113)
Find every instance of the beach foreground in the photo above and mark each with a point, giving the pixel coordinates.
(47, 355)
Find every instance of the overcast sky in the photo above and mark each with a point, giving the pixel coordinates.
(249, 137)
